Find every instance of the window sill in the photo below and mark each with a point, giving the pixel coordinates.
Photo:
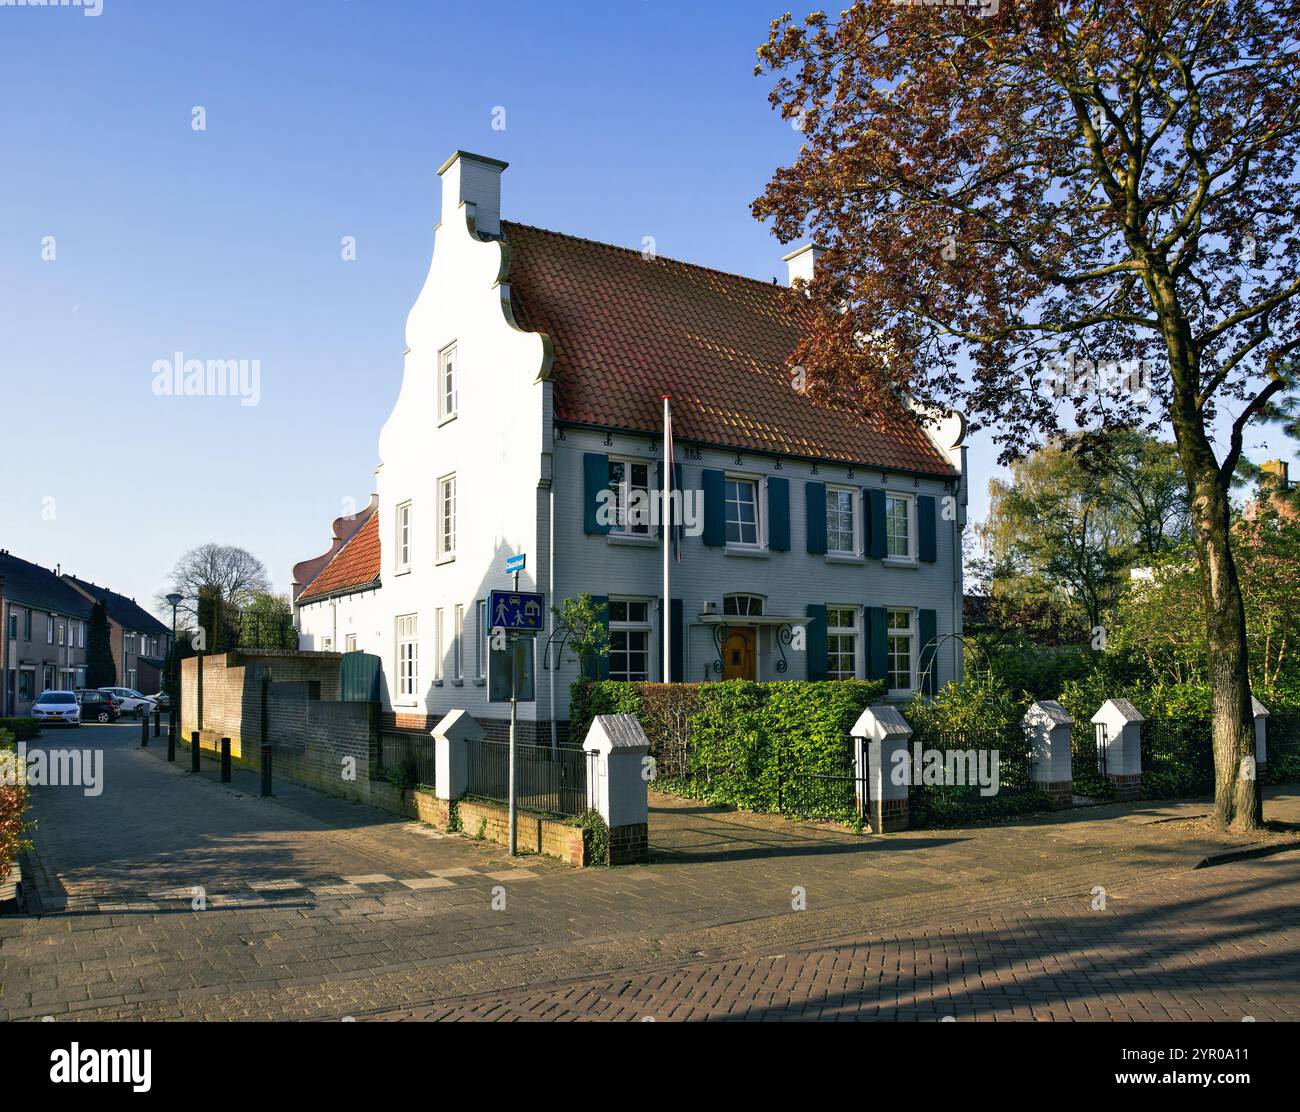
(899, 696)
(444, 560)
(448, 419)
(403, 571)
(437, 683)
(480, 683)
(632, 540)
(899, 562)
(457, 683)
(844, 558)
(750, 553)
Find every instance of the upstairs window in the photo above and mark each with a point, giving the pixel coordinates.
(447, 518)
(898, 526)
(630, 509)
(742, 512)
(404, 537)
(841, 521)
(448, 385)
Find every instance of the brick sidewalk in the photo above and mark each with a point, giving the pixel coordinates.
(354, 934)
(1219, 944)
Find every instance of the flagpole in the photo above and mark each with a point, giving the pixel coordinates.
(665, 528)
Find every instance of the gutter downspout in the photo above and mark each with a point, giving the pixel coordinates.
(550, 559)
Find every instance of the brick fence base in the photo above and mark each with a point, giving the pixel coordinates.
(1061, 792)
(629, 844)
(888, 815)
(1127, 787)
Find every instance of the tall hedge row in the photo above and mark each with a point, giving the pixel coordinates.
(728, 742)
(13, 801)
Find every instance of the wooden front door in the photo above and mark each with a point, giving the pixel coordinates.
(738, 655)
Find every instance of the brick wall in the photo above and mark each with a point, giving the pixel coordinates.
(534, 833)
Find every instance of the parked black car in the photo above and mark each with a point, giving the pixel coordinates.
(97, 706)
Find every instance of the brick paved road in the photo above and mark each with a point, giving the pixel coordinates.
(1219, 944)
(320, 908)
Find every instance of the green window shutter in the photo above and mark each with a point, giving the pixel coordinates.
(715, 509)
(877, 543)
(595, 478)
(678, 640)
(816, 639)
(876, 623)
(599, 668)
(815, 513)
(925, 528)
(928, 627)
(778, 514)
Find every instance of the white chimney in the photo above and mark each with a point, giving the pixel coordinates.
(802, 261)
(473, 179)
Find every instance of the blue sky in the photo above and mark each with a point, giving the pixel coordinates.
(324, 119)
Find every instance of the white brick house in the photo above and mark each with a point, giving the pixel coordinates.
(534, 370)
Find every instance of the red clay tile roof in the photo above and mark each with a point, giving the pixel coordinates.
(626, 331)
(354, 567)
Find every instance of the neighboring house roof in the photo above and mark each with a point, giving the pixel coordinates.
(354, 568)
(40, 588)
(126, 612)
(342, 531)
(626, 330)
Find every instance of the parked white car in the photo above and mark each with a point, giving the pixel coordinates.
(57, 707)
(130, 700)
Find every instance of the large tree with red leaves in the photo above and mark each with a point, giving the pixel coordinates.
(1057, 214)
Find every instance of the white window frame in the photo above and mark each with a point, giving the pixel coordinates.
(439, 645)
(910, 634)
(350, 642)
(481, 641)
(408, 658)
(855, 520)
(327, 644)
(841, 630)
(49, 629)
(629, 626)
(447, 553)
(63, 633)
(620, 527)
(458, 645)
(759, 542)
(910, 501)
(402, 547)
(448, 371)
(749, 611)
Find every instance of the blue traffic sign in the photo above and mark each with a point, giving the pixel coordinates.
(515, 563)
(516, 610)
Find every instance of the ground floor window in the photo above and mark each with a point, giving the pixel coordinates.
(27, 685)
(629, 640)
(47, 678)
(902, 651)
(841, 642)
(350, 643)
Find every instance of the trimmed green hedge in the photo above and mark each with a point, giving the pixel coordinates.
(13, 802)
(22, 729)
(722, 741)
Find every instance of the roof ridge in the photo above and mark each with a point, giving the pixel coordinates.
(658, 257)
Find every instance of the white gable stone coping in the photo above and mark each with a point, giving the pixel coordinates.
(1050, 711)
(622, 732)
(1117, 712)
(458, 725)
(881, 724)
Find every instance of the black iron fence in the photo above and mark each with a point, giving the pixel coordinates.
(1177, 757)
(963, 776)
(547, 781)
(405, 758)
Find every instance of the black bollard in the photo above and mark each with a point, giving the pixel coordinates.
(225, 760)
(144, 732)
(171, 746)
(157, 722)
(194, 751)
(266, 770)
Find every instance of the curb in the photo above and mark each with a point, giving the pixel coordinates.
(1247, 854)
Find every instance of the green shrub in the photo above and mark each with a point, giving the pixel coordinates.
(13, 802)
(595, 835)
(729, 742)
(21, 729)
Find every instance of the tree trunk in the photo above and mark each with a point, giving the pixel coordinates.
(1236, 797)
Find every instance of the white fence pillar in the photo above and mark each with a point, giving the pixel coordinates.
(1261, 732)
(617, 784)
(883, 767)
(451, 752)
(1049, 725)
(1119, 746)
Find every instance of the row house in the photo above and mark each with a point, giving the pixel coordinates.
(826, 545)
(44, 622)
(140, 642)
